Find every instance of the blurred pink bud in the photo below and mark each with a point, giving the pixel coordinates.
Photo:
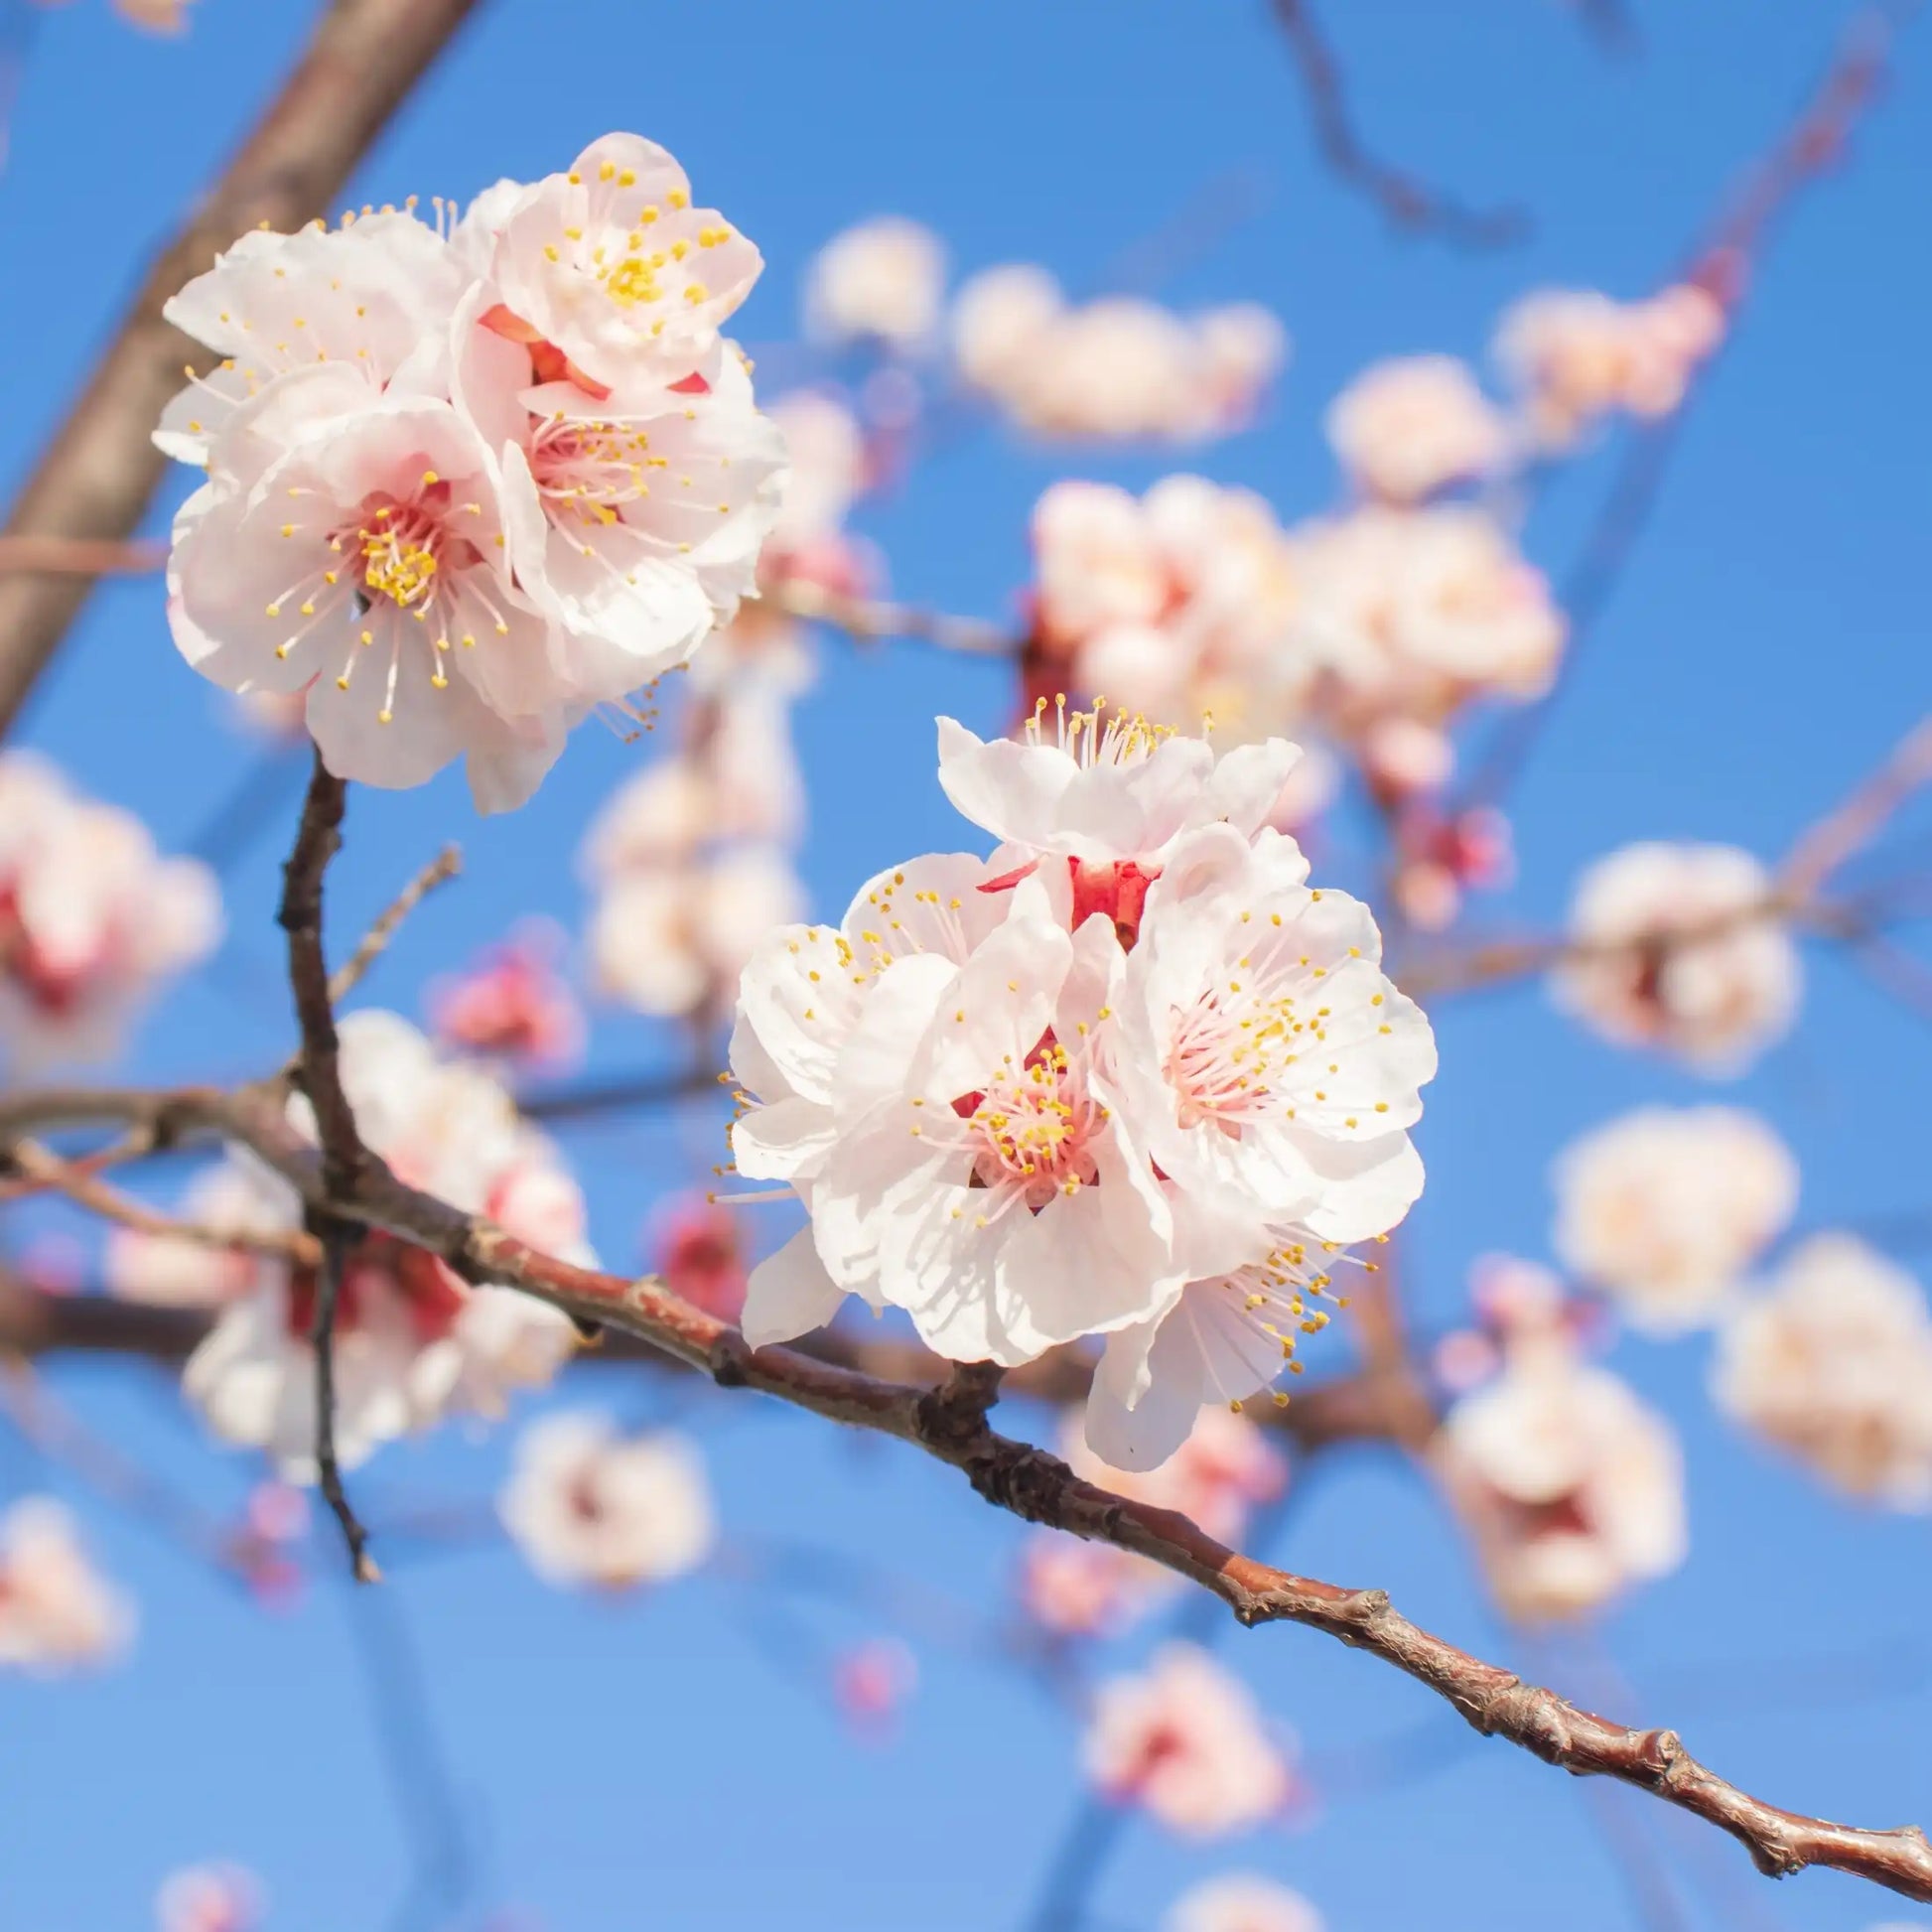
(872, 1682)
(511, 1003)
(695, 1246)
(1464, 1358)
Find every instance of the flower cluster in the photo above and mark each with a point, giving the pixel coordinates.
(1116, 369)
(1185, 1739)
(56, 1612)
(1405, 429)
(1665, 1209)
(1572, 1487)
(1215, 1478)
(1681, 947)
(586, 1505)
(1130, 1077)
(1373, 627)
(1577, 356)
(1833, 1363)
(92, 917)
(413, 1340)
(468, 482)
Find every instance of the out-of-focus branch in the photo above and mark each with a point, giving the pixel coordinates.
(1841, 834)
(615, 1094)
(53, 556)
(99, 470)
(1408, 202)
(348, 975)
(1721, 265)
(98, 1196)
(1039, 1487)
(868, 620)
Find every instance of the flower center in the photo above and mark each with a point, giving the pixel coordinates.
(1031, 1127)
(589, 469)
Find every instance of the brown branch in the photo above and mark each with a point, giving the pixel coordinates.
(618, 1093)
(53, 556)
(1841, 834)
(98, 1196)
(1408, 202)
(1039, 1487)
(870, 620)
(348, 975)
(99, 471)
(1721, 265)
(317, 839)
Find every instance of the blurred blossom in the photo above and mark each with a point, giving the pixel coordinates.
(1680, 947)
(1242, 1902)
(237, 1196)
(659, 817)
(696, 1245)
(1832, 1363)
(1076, 1589)
(279, 715)
(1576, 356)
(1573, 1487)
(413, 1340)
(1119, 368)
(513, 1004)
(1405, 429)
(1001, 317)
(156, 16)
(883, 281)
(587, 1505)
(57, 1611)
(672, 943)
(870, 1684)
(210, 1898)
(827, 452)
(1178, 604)
(1438, 856)
(92, 917)
(1665, 1209)
(1185, 1739)
(1416, 612)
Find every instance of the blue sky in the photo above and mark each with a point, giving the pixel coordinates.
(673, 1762)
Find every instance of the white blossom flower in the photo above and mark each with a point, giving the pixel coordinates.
(1186, 1740)
(610, 275)
(1665, 1209)
(951, 1133)
(635, 517)
(57, 1611)
(92, 917)
(1242, 1902)
(372, 298)
(354, 546)
(169, 1270)
(1833, 1363)
(1681, 947)
(1271, 1071)
(413, 1340)
(1573, 1487)
(1407, 428)
(586, 1505)
(881, 281)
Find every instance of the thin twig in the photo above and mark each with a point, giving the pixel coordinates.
(98, 469)
(1408, 202)
(1720, 264)
(348, 976)
(870, 620)
(337, 1236)
(1841, 834)
(85, 1189)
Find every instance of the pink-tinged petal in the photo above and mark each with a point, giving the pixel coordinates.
(1011, 791)
(1248, 781)
(789, 1293)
